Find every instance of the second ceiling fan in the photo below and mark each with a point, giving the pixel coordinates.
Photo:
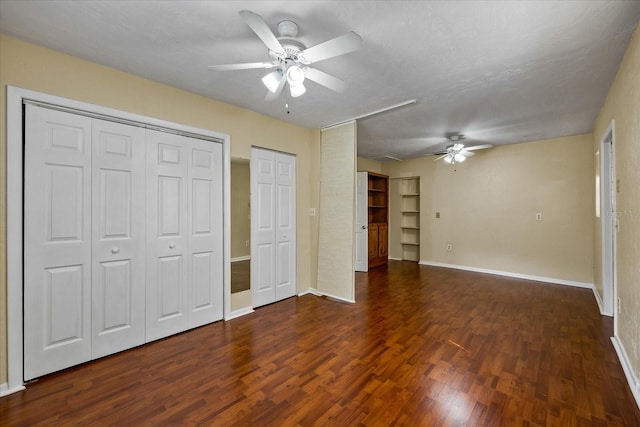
(292, 59)
(457, 152)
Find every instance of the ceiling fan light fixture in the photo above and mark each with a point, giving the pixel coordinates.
(295, 76)
(272, 80)
(459, 158)
(297, 90)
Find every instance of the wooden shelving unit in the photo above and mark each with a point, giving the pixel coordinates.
(410, 218)
(378, 218)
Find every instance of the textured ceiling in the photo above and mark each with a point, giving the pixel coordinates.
(498, 72)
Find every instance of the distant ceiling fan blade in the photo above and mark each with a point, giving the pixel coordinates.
(326, 80)
(262, 30)
(441, 157)
(467, 153)
(478, 147)
(335, 47)
(274, 95)
(245, 66)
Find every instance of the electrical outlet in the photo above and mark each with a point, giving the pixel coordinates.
(312, 211)
(619, 306)
(449, 247)
(246, 243)
(538, 217)
(437, 214)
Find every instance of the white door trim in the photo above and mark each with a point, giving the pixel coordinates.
(608, 222)
(361, 238)
(15, 98)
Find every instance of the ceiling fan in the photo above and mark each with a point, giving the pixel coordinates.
(457, 152)
(292, 59)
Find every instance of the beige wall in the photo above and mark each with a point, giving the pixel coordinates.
(488, 207)
(336, 274)
(623, 106)
(368, 165)
(240, 208)
(39, 69)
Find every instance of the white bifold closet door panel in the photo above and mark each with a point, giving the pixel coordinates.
(84, 239)
(184, 233)
(57, 241)
(273, 226)
(118, 243)
(123, 237)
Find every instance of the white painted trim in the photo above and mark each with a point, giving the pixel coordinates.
(395, 259)
(324, 294)
(601, 308)
(14, 238)
(15, 97)
(632, 379)
(5, 390)
(510, 274)
(239, 312)
(608, 220)
(241, 258)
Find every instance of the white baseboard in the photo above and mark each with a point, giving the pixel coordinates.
(5, 390)
(324, 294)
(395, 259)
(634, 383)
(308, 291)
(510, 274)
(241, 258)
(240, 312)
(596, 295)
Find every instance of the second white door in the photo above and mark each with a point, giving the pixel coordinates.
(273, 226)
(184, 233)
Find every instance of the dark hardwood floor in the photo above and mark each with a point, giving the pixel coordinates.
(240, 276)
(422, 346)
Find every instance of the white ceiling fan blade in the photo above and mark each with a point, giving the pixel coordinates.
(441, 157)
(326, 80)
(274, 95)
(337, 46)
(262, 30)
(467, 153)
(478, 147)
(245, 66)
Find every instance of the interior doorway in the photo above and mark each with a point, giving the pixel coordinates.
(608, 222)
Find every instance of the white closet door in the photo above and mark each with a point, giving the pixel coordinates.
(362, 234)
(285, 226)
(184, 233)
(273, 231)
(263, 251)
(57, 241)
(167, 241)
(118, 211)
(205, 232)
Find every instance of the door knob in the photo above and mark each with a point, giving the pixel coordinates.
(115, 250)
(172, 245)
(364, 227)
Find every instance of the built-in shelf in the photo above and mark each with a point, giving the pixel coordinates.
(378, 218)
(410, 218)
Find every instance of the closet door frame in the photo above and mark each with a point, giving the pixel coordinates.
(16, 97)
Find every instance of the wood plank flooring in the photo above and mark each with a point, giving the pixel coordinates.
(240, 276)
(422, 346)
